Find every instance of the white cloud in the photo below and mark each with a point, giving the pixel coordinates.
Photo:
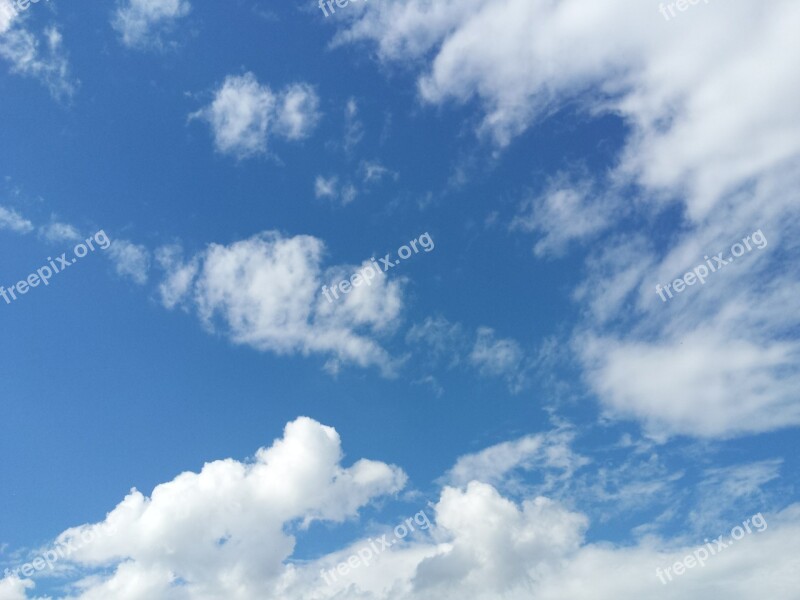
(699, 383)
(266, 292)
(12, 588)
(329, 188)
(325, 187)
(349, 193)
(353, 127)
(140, 23)
(130, 260)
(180, 275)
(493, 465)
(671, 81)
(60, 232)
(499, 357)
(298, 112)
(564, 213)
(7, 15)
(442, 339)
(225, 532)
(24, 51)
(725, 489)
(244, 113)
(11, 219)
(714, 362)
(447, 344)
(374, 172)
(239, 115)
(230, 531)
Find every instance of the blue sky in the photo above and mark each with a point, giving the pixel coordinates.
(519, 378)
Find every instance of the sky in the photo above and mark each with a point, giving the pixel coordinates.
(399, 300)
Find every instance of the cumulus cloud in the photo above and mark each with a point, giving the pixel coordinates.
(141, 23)
(231, 531)
(266, 292)
(226, 531)
(244, 113)
(13, 588)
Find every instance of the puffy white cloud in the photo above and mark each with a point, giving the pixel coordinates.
(140, 23)
(240, 114)
(130, 260)
(13, 588)
(244, 113)
(225, 531)
(230, 531)
(266, 292)
(11, 219)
